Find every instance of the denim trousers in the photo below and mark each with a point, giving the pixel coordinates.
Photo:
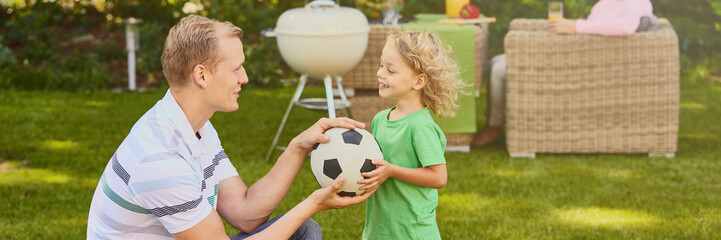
(309, 230)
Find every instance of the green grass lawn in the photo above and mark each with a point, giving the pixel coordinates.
(54, 147)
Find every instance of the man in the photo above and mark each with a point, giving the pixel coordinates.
(170, 177)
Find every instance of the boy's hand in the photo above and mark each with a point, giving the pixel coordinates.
(327, 198)
(383, 171)
(314, 134)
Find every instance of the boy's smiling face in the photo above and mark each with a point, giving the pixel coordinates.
(396, 80)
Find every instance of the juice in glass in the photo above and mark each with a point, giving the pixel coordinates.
(555, 10)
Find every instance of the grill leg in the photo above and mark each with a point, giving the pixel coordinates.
(293, 101)
(341, 92)
(328, 82)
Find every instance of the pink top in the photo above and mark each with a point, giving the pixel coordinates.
(614, 17)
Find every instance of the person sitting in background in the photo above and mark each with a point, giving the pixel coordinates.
(607, 18)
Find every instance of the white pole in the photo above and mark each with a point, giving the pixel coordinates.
(130, 42)
(328, 82)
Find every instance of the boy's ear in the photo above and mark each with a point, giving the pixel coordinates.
(420, 82)
(199, 72)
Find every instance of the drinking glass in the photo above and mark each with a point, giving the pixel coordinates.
(555, 10)
(391, 11)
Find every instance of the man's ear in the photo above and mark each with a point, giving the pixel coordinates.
(199, 73)
(420, 82)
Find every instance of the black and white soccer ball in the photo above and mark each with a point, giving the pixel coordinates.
(348, 153)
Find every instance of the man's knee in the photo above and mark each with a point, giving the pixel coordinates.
(308, 230)
(310, 225)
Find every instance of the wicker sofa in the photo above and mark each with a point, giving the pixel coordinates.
(591, 94)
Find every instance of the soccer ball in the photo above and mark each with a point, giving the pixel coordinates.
(348, 153)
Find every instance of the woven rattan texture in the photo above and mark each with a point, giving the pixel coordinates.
(364, 74)
(480, 36)
(529, 25)
(591, 94)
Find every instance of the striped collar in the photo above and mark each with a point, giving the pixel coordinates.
(177, 117)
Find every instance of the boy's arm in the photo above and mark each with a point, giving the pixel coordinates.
(433, 176)
(429, 148)
(246, 208)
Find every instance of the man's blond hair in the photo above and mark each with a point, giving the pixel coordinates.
(193, 41)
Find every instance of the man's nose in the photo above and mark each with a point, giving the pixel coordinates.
(243, 79)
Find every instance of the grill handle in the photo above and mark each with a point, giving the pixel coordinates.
(268, 32)
(321, 4)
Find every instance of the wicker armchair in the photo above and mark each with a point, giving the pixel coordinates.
(591, 94)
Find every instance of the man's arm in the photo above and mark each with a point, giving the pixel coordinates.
(210, 228)
(247, 208)
(322, 199)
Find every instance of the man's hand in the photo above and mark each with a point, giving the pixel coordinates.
(562, 26)
(322, 199)
(327, 198)
(314, 134)
(383, 171)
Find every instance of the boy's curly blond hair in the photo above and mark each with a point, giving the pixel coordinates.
(425, 54)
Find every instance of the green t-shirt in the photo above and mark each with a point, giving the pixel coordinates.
(400, 210)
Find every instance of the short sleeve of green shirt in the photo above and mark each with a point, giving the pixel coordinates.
(429, 143)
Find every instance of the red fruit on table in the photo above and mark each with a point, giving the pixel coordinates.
(469, 11)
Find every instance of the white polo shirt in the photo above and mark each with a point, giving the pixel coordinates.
(162, 179)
